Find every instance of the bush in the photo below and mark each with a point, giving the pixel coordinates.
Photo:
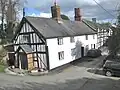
(2, 67)
(94, 53)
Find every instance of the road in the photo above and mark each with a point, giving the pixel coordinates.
(78, 76)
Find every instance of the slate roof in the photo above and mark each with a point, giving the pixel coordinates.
(97, 25)
(26, 48)
(49, 27)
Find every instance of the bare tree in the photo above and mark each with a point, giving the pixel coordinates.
(9, 10)
(3, 4)
(13, 8)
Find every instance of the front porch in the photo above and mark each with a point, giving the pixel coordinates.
(25, 58)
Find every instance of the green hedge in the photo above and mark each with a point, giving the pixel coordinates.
(2, 67)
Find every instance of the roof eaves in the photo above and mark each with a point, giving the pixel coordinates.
(89, 26)
(71, 35)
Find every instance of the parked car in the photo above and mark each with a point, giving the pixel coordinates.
(111, 58)
(94, 53)
(111, 68)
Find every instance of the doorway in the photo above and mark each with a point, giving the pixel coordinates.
(23, 61)
(82, 51)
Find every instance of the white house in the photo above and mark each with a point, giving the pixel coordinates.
(104, 31)
(47, 43)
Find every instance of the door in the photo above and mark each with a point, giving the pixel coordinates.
(23, 61)
(116, 68)
(11, 57)
(82, 51)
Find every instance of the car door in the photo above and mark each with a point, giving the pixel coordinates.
(116, 68)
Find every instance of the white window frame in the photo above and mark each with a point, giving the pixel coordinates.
(61, 55)
(86, 37)
(93, 36)
(73, 51)
(60, 41)
(72, 39)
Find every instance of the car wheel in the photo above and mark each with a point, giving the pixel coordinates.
(108, 73)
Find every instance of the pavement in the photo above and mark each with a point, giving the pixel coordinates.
(80, 75)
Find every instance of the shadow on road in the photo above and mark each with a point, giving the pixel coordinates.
(77, 84)
(96, 71)
(82, 60)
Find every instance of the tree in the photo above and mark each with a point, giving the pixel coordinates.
(114, 40)
(118, 16)
(10, 10)
(3, 7)
(64, 17)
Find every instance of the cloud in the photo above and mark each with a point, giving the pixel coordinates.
(47, 15)
(89, 8)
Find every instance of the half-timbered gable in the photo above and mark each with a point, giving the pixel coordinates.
(28, 35)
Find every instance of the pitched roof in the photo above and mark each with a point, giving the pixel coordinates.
(26, 48)
(49, 27)
(98, 25)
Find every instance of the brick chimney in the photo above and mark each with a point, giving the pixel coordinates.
(77, 14)
(55, 10)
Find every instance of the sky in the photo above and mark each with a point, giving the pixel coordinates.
(89, 9)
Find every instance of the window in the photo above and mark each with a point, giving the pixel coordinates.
(93, 36)
(60, 41)
(86, 36)
(87, 46)
(72, 39)
(92, 46)
(61, 55)
(26, 39)
(73, 52)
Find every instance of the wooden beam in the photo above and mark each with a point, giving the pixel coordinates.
(25, 33)
(28, 44)
(37, 57)
(37, 32)
(47, 57)
(41, 52)
(18, 31)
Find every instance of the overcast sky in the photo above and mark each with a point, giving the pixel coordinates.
(89, 8)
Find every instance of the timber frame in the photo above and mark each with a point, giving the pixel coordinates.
(41, 55)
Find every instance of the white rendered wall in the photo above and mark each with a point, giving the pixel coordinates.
(54, 48)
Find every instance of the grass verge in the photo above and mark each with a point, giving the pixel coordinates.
(2, 67)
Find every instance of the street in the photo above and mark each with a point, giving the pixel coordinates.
(78, 76)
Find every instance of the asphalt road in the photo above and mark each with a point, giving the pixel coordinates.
(78, 76)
